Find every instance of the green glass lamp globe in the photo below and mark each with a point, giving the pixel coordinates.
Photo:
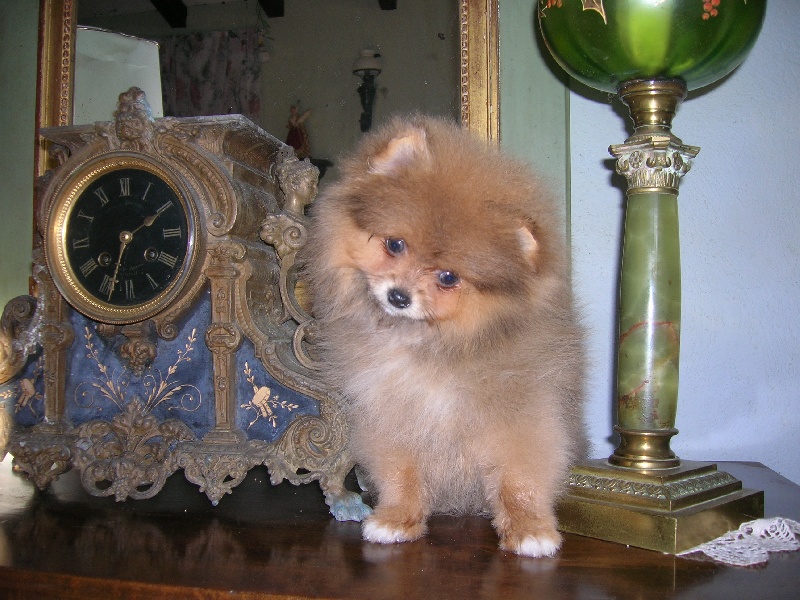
(604, 43)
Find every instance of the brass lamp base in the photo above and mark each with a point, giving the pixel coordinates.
(667, 510)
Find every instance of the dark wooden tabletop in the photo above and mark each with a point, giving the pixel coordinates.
(264, 542)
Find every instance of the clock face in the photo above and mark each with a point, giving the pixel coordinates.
(121, 240)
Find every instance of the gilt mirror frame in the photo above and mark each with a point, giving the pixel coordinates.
(479, 94)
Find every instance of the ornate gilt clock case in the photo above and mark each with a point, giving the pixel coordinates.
(166, 331)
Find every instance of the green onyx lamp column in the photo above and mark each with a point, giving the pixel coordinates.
(653, 161)
(651, 53)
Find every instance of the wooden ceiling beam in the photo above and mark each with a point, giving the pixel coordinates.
(272, 8)
(173, 11)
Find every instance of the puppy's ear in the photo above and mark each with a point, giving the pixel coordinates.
(408, 147)
(528, 243)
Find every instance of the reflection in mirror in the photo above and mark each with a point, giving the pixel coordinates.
(302, 59)
(478, 63)
(108, 63)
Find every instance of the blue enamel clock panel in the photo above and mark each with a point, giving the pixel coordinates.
(178, 384)
(264, 406)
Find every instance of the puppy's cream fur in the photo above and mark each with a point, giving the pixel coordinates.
(438, 276)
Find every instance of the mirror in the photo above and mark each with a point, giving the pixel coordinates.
(477, 69)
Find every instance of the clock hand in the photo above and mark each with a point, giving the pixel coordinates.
(147, 222)
(125, 238)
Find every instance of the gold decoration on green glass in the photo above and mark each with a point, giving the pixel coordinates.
(604, 43)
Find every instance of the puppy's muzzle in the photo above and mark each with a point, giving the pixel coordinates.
(398, 298)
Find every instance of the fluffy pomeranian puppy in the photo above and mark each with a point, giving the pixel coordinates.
(438, 276)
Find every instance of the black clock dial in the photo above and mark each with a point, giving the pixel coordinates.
(126, 237)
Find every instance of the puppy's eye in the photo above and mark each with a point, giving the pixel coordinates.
(448, 279)
(395, 246)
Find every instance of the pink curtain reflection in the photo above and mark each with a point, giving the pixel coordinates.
(211, 73)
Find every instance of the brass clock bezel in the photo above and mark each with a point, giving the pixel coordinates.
(63, 200)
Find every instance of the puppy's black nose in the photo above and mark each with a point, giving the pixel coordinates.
(398, 298)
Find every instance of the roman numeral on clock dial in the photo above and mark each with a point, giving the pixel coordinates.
(124, 186)
(167, 259)
(87, 267)
(105, 285)
(101, 193)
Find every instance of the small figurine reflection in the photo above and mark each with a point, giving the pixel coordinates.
(297, 137)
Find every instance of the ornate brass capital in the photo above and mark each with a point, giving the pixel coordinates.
(656, 163)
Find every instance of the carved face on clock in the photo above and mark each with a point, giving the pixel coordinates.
(124, 240)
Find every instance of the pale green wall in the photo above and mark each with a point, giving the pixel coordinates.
(534, 102)
(18, 39)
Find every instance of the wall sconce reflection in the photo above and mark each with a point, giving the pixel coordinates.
(367, 66)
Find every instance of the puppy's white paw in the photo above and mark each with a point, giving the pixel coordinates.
(536, 547)
(374, 531)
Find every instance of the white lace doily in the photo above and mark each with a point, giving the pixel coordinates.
(751, 544)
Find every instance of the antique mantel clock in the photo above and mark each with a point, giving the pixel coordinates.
(166, 333)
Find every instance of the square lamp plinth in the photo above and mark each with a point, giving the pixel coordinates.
(667, 510)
